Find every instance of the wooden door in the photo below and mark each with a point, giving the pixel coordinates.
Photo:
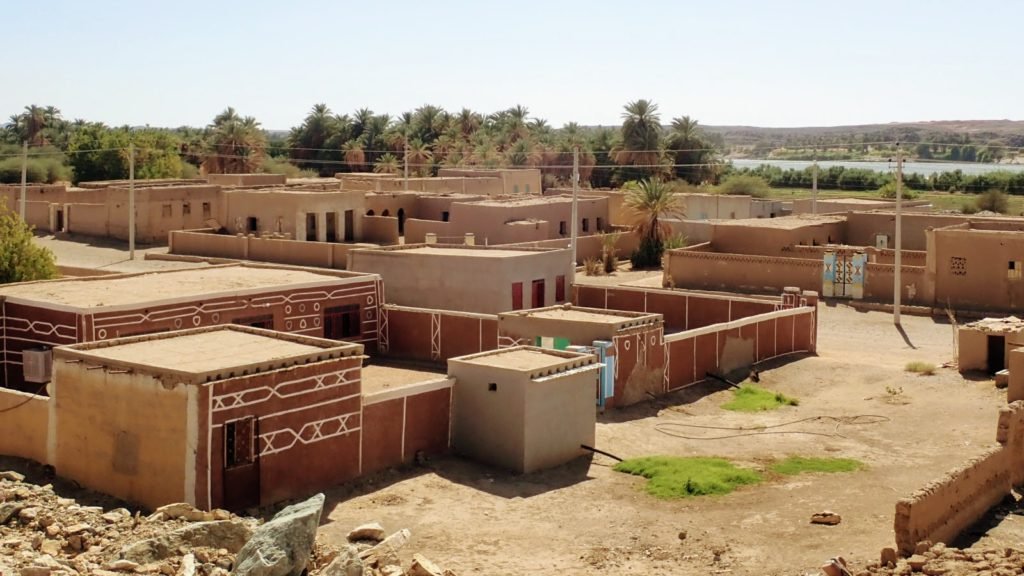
(241, 464)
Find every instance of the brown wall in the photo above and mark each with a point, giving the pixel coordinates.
(246, 179)
(752, 239)
(312, 417)
(416, 231)
(985, 283)
(27, 327)
(465, 282)
(24, 425)
(208, 243)
(861, 227)
(399, 423)
(380, 229)
(408, 333)
(699, 270)
(591, 246)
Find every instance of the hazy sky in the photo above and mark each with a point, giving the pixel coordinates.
(766, 63)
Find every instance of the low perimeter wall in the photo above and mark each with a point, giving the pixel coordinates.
(208, 244)
(940, 511)
(399, 423)
(426, 335)
(24, 425)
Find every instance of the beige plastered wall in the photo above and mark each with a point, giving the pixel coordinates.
(987, 283)
(124, 433)
(463, 283)
(489, 426)
(247, 179)
(576, 331)
(24, 425)
(715, 206)
(737, 238)
(284, 212)
(561, 416)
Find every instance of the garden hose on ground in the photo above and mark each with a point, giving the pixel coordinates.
(670, 428)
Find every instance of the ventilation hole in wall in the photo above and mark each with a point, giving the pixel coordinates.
(492, 387)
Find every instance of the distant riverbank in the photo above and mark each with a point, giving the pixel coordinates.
(922, 168)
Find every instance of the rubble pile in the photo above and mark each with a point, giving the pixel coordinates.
(940, 560)
(44, 534)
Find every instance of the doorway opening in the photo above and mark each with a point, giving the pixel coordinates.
(332, 227)
(996, 353)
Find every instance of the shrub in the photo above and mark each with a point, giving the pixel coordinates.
(993, 200)
(676, 241)
(608, 252)
(888, 190)
(21, 259)
(922, 368)
(676, 477)
(969, 208)
(592, 267)
(750, 398)
(744, 185)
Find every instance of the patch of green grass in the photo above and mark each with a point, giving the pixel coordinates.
(677, 477)
(750, 398)
(922, 368)
(799, 465)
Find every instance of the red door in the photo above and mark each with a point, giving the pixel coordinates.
(538, 293)
(517, 295)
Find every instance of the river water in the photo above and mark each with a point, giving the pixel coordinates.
(923, 168)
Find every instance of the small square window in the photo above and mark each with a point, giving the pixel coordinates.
(586, 224)
(166, 211)
(1014, 269)
(186, 209)
(206, 209)
(958, 266)
(561, 227)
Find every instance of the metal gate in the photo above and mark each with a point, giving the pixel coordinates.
(843, 274)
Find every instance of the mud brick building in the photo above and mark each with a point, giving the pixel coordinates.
(37, 316)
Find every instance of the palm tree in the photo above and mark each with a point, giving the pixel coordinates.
(468, 122)
(235, 146)
(692, 155)
(355, 157)
(641, 138)
(420, 158)
(386, 164)
(651, 201)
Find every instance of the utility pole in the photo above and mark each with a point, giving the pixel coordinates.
(24, 177)
(897, 289)
(575, 202)
(814, 184)
(131, 201)
(405, 159)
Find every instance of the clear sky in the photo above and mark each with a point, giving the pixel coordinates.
(764, 63)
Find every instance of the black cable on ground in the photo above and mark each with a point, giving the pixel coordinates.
(858, 420)
(602, 452)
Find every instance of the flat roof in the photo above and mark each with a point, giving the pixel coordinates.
(529, 201)
(210, 353)
(123, 290)
(205, 352)
(471, 252)
(784, 222)
(580, 315)
(519, 359)
(378, 377)
(865, 201)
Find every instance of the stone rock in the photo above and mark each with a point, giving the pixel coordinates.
(81, 528)
(183, 510)
(219, 514)
(682, 535)
(347, 563)
(372, 531)
(12, 476)
(102, 572)
(916, 562)
(46, 520)
(121, 565)
(889, 557)
(936, 568)
(392, 570)
(8, 509)
(283, 545)
(75, 542)
(421, 566)
(827, 518)
(28, 515)
(117, 515)
(188, 566)
(923, 546)
(51, 547)
(36, 571)
(54, 530)
(389, 547)
(229, 534)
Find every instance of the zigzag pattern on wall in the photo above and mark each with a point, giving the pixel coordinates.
(288, 389)
(311, 432)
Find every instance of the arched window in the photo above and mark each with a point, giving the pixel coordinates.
(385, 213)
(369, 212)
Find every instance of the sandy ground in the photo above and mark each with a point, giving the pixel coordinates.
(584, 518)
(107, 254)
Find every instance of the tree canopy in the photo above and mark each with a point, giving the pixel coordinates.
(20, 259)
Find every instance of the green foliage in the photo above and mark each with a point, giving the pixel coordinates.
(97, 152)
(41, 169)
(651, 201)
(922, 368)
(969, 208)
(750, 398)
(676, 241)
(283, 166)
(675, 477)
(993, 200)
(20, 259)
(744, 185)
(799, 465)
(609, 256)
(888, 190)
